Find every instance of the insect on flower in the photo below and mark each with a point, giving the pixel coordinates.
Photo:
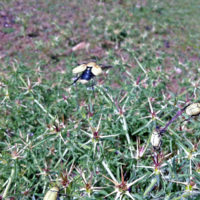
(156, 139)
(88, 71)
(52, 194)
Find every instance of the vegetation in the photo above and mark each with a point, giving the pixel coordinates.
(97, 143)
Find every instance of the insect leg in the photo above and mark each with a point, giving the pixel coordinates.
(75, 80)
(92, 85)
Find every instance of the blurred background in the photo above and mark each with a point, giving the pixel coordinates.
(47, 127)
(50, 32)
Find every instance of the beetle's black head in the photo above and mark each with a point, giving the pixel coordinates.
(87, 74)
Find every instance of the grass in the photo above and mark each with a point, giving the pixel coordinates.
(92, 143)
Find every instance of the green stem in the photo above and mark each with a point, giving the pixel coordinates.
(123, 120)
(36, 162)
(125, 128)
(44, 110)
(150, 187)
(9, 183)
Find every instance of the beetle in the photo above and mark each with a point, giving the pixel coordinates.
(52, 194)
(88, 71)
(193, 109)
(156, 140)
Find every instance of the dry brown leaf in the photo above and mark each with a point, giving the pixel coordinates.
(81, 45)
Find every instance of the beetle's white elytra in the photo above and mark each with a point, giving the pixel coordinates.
(96, 69)
(193, 109)
(52, 194)
(91, 64)
(79, 69)
(155, 139)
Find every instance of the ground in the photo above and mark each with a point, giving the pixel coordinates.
(53, 133)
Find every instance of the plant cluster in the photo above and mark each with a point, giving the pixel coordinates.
(133, 135)
(82, 140)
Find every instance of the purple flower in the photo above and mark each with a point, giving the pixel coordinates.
(31, 134)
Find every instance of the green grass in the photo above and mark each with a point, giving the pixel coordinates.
(52, 133)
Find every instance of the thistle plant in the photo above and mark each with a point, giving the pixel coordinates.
(88, 184)
(135, 135)
(120, 188)
(95, 136)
